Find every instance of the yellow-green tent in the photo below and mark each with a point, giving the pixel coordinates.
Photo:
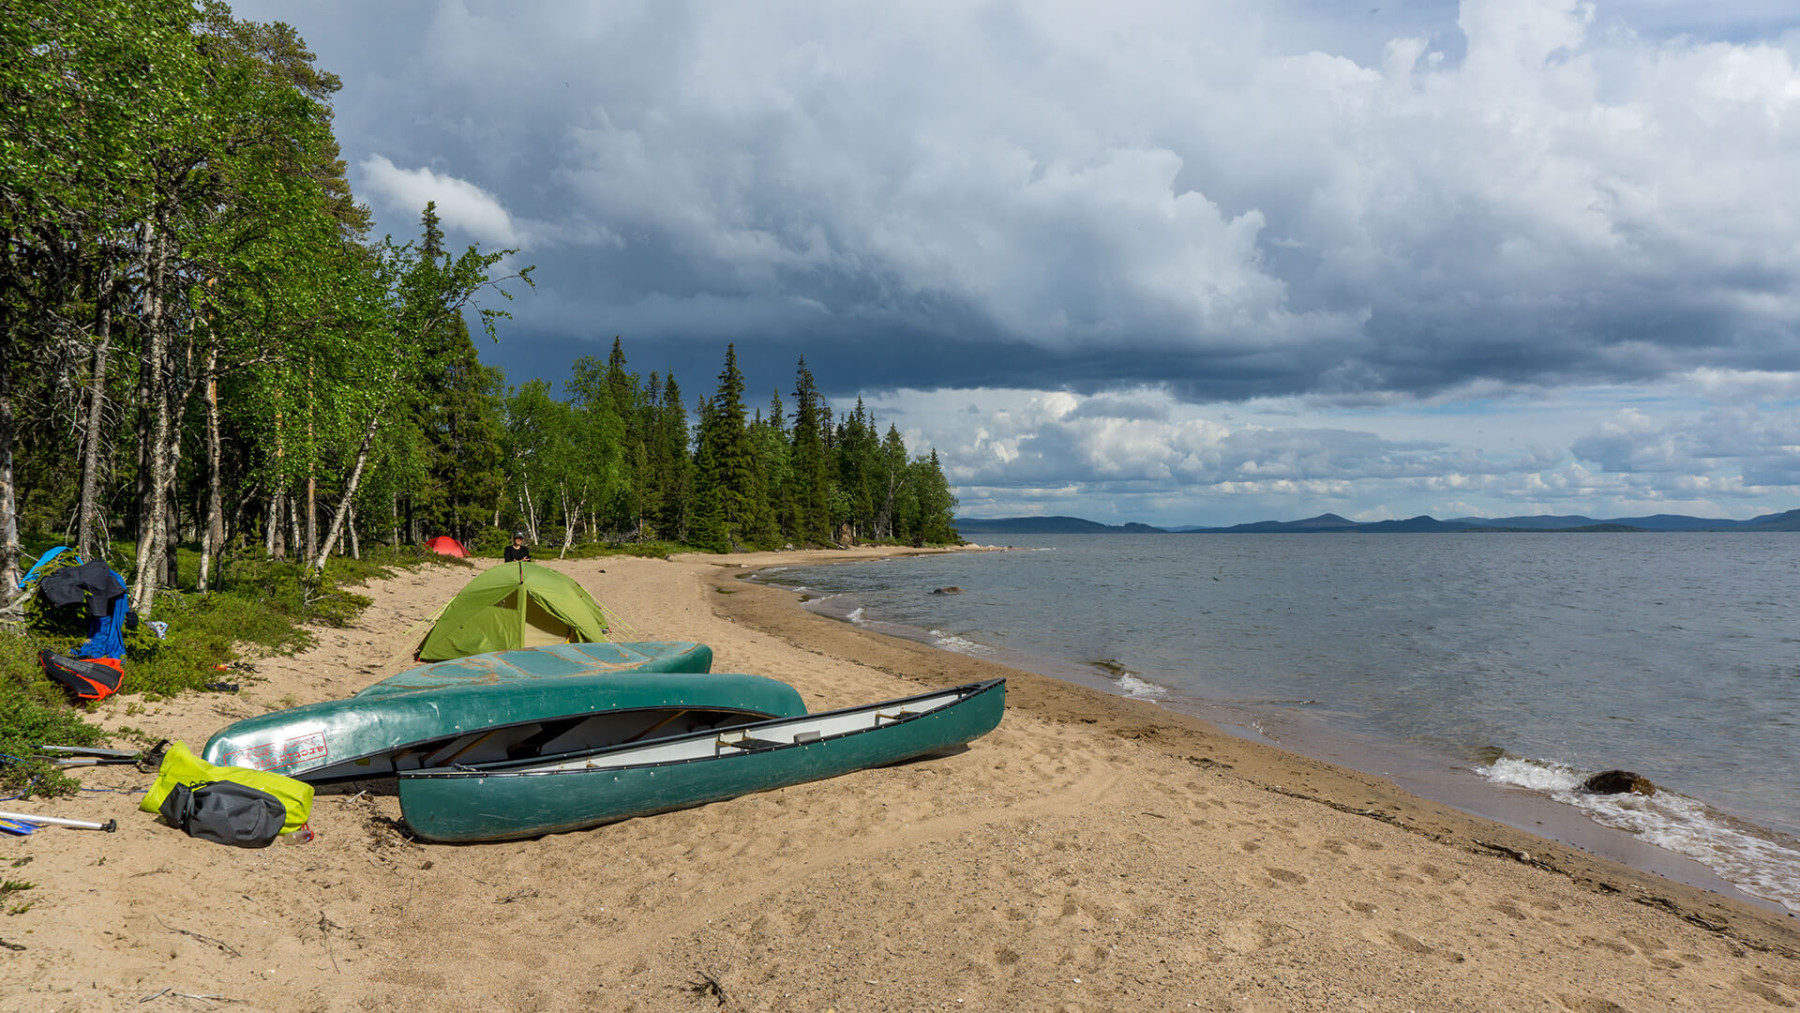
(514, 605)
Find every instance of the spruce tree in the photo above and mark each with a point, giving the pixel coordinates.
(811, 497)
(729, 469)
(673, 440)
(937, 507)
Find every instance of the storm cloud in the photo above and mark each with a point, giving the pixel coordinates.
(1357, 204)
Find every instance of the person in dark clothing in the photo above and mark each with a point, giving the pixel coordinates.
(518, 549)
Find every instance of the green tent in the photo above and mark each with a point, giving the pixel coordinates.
(514, 605)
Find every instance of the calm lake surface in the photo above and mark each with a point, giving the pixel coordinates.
(1531, 660)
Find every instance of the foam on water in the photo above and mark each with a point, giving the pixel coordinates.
(1140, 689)
(857, 616)
(961, 645)
(1757, 860)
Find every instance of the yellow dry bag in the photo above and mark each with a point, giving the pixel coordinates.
(181, 766)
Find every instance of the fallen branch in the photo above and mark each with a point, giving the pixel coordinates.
(220, 943)
(208, 997)
(706, 985)
(325, 927)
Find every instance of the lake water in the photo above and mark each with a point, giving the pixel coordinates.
(1530, 660)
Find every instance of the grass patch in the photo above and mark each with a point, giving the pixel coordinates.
(10, 887)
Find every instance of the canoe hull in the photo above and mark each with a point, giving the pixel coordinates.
(559, 661)
(509, 801)
(491, 707)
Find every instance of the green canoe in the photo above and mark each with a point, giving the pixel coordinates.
(506, 705)
(510, 799)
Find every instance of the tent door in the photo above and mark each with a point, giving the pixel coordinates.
(540, 627)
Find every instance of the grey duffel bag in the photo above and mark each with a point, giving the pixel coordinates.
(226, 812)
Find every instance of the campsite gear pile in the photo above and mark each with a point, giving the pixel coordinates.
(64, 581)
(230, 805)
(526, 721)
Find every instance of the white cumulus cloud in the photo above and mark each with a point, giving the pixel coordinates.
(460, 204)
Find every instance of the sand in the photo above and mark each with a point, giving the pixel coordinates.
(1093, 853)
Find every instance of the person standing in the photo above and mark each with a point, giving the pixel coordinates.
(518, 549)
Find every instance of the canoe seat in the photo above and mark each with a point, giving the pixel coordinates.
(881, 716)
(749, 742)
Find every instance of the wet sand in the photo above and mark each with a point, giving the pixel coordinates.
(1093, 853)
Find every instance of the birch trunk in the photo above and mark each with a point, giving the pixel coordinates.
(88, 509)
(337, 520)
(212, 538)
(312, 478)
(153, 506)
(571, 518)
(9, 500)
(272, 536)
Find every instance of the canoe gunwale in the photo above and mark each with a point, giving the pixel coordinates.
(522, 768)
(314, 775)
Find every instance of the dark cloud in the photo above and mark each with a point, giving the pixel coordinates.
(1231, 202)
(1047, 240)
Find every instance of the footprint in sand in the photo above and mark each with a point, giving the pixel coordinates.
(1413, 944)
(1589, 1004)
(1253, 934)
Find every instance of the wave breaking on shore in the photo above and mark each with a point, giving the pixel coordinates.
(1755, 859)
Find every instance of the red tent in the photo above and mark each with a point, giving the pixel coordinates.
(444, 545)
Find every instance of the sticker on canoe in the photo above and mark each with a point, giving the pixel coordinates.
(276, 755)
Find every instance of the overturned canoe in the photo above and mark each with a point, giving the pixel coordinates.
(507, 705)
(504, 800)
(557, 661)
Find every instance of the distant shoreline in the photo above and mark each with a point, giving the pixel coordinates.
(1423, 524)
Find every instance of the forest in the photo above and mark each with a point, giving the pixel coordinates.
(203, 349)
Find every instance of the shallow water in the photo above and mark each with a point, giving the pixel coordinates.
(1530, 659)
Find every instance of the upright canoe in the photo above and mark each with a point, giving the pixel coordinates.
(511, 799)
(506, 705)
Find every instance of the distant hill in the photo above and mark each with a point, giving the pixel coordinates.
(1789, 521)
(1323, 522)
(1047, 526)
(1538, 522)
(1423, 524)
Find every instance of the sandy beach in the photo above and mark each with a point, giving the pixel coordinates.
(1093, 853)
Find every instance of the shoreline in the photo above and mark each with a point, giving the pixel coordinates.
(1092, 853)
(1437, 776)
(1604, 858)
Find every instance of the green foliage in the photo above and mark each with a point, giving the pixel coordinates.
(34, 712)
(184, 255)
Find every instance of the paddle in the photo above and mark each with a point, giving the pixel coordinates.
(110, 826)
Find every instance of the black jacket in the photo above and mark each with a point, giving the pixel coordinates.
(91, 579)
